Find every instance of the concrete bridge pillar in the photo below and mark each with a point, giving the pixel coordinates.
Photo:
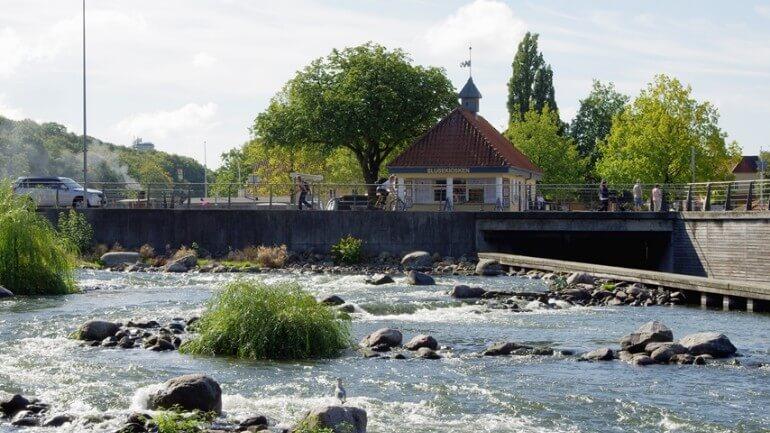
(708, 300)
(750, 305)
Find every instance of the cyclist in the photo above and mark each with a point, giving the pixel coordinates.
(384, 188)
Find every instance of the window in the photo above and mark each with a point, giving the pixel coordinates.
(439, 190)
(459, 191)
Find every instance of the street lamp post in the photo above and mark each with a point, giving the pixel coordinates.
(85, 140)
(205, 173)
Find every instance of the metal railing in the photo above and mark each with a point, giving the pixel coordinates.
(705, 196)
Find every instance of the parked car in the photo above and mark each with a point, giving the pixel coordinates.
(57, 191)
(348, 202)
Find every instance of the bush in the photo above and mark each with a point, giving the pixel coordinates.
(258, 321)
(347, 250)
(271, 257)
(176, 422)
(74, 226)
(147, 251)
(34, 258)
(183, 252)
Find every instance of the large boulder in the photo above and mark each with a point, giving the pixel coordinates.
(488, 268)
(501, 348)
(189, 392)
(665, 351)
(97, 330)
(380, 279)
(417, 260)
(11, 404)
(118, 258)
(415, 278)
(580, 278)
(603, 354)
(421, 341)
(465, 292)
(340, 419)
(5, 293)
(332, 300)
(708, 343)
(385, 336)
(650, 332)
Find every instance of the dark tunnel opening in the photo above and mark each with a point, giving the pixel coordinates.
(640, 250)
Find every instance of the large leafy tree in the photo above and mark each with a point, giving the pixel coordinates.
(539, 137)
(653, 138)
(367, 99)
(593, 121)
(531, 84)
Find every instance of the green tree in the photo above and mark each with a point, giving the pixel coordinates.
(593, 121)
(153, 176)
(367, 99)
(652, 139)
(531, 84)
(539, 137)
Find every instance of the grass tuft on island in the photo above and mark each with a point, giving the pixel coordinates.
(34, 258)
(259, 321)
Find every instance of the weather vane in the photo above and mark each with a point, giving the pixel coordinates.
(467, 63)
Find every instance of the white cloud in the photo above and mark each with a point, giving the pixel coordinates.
(763, 10)
(191, 120)
(204, 60)
(489, 25)
(10, 112)
(12, 51)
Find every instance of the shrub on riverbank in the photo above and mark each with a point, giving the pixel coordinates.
(260, 321)
(348, 250)
(34, 258)
(74, 226)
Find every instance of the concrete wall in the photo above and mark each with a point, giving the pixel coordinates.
(219, 230)
(731, 245)
(727, 245)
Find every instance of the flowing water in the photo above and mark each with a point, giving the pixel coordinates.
(461, 393)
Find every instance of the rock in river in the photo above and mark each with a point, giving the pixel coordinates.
(332, 300)
(340, 419)
(97, 330)
(580, 278)
(488, 268)
(380, 279)
(117, 258)
(650, 332)
(10, 404)
(603, 354)
(189, 392)
(417, 260)
(465, 292)
(415, 278)
(501, 348)
(5, 293)
(708, 343)
(426, 353)
(385, 336)
(421, 341)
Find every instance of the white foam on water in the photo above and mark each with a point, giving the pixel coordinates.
(141, 398)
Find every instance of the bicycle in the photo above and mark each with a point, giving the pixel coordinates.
(391, 202)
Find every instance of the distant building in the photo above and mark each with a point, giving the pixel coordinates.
(142, 146)
(465, 162)
(747, 168)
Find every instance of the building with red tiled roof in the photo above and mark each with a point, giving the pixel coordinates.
(747, 168)
(463, 162)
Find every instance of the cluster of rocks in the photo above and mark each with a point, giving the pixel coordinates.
(389, 340)
(149, 334)
(29, 412)
(653, 343)
(510, 348)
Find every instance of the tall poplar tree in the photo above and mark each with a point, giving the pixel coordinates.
(531, 84)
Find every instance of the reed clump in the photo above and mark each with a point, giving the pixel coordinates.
(259, 321)
(34, 258)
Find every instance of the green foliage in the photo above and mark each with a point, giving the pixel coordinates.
(259, 321)
(652, 139)
(75, 228)
(177, 422)
(34, 258)
(593, 121)
(539, 137)
(348, 250)
(531, 84)
(303, 427)
(367, 99)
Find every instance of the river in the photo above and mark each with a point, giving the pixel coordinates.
(461, 393)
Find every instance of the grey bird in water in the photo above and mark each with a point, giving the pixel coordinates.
(339, 392)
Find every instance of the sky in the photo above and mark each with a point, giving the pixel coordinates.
(180, 73)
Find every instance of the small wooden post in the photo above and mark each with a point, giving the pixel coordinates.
(688, 204)
(229, 202)
(749, 196)
(727, 196)
(707, 205)
(189, 195)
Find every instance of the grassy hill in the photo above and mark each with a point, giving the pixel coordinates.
(48, 149)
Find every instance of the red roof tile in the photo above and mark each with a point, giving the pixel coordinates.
(463, 139)
(747, 164)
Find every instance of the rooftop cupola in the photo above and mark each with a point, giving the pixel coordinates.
(469, 96)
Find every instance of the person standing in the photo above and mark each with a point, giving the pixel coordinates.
(638, 202)
(604, 196)
(303, 189)
(657, 198)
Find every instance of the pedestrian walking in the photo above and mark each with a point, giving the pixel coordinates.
(303, 189)
(657, 198)
(638, 202)
(604, 196)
